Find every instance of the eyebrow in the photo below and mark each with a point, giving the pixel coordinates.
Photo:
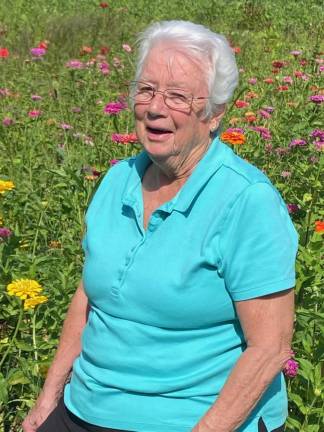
(171, 84)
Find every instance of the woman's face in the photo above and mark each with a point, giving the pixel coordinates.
(166, 132)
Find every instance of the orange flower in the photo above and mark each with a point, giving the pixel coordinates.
(319, 226)
(250, 117)
(251, 95)
(233, 137)
(85, 50)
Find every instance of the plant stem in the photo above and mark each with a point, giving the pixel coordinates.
(13, 337)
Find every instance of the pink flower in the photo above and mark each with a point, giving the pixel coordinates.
(264, 114)
(252, 81)
(113, 162)
(319, 145)
(124, 138)
(5, 233)
(75, 64)
(285, 174)
(36, 97)
(263, 132)
(65, 126)
(7, 121)
(114, 108)
(297, 142)
(34, 113)
(76, 109)
(321, 68)
(104, 68)
(287, 79)
(127, 48)
(38, 52)
(295, 53)
(4, 92)
(269, 109)
(291, 368)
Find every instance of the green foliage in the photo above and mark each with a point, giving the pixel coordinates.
(52, 165)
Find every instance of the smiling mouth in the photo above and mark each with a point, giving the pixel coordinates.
(158, 131)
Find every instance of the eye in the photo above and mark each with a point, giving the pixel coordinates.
(144, 88)
(177, 96)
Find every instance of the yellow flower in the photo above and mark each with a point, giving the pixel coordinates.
(34, 301)
(6, 186)
(1, 221)
(24, 288)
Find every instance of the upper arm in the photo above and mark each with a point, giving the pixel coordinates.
(267, 321)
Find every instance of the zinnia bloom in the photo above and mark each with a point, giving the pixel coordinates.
(233, 137)
(252, 81)
(113, 162)
(34, 113)
(103, 5)
(318, 99)
(298, 142)
(38, 52)
(114, 108)
(74, 64)
(268, 80)
(295, 53)
(285, 174)
(5, 233)
(24, 288)
(6, 186)
(36, 97)
(4, 52)
(124, 138)
(127, 48)
(241, 104)
(278, 64)
(30, 303)
(291, 368)
(319, 226)
(264, 132)
(292, 208)
(7, 121)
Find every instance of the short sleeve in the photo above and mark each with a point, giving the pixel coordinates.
(258, 244)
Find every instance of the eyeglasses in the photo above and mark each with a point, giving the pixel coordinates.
(177, 99)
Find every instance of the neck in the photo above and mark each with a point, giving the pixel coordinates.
(177, 168)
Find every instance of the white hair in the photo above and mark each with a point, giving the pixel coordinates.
(204, 45)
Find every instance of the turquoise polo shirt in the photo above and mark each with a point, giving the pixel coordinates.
(163, 334)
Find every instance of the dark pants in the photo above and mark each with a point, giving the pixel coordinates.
(62, 420)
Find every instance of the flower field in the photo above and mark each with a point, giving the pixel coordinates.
(65, 119)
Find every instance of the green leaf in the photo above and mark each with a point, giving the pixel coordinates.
(17, 377)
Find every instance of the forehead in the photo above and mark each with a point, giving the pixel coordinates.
(169, 64)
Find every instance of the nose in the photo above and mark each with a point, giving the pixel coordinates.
(157, 106)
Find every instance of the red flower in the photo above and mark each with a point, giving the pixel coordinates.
(4, 52)
(103, 5)
(104, 50)
(319, 226)
(303, 62)
(283, 88)
(236, 50)
(241, 104)
(278, 64)
(268, 81)
(43, 44)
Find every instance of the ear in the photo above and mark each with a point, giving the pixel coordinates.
(216, 118)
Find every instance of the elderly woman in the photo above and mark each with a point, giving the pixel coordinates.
(186, 304)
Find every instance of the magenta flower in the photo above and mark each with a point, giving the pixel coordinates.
(113, 162)
(264, 114)
(74, 64)
(114, 108)
(269, 109)
(291, 368)
(7, 121)
(318, 99)
(298, 142)
(262, 131)
(5, 233)
(104, 68)
(38, 52)
(36, 97)
(319, 145)
(292, 208)
(321, 68)
(318, 133)
(34, 113)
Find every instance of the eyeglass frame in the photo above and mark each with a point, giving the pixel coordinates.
(163, 94)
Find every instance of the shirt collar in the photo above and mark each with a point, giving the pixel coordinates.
(204, 170)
